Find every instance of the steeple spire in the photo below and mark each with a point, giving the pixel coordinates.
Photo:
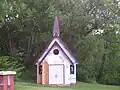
(56, 30)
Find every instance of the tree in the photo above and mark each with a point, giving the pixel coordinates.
(1, 11)
(85, 27)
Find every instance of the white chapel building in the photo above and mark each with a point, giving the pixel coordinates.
(56, 65)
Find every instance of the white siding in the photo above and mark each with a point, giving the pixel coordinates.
(61, 45)
(61, 58)
(67, 74)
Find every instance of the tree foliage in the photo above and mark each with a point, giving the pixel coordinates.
(11, 63)
(91, 29)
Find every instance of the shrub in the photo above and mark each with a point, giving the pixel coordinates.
(8, 63)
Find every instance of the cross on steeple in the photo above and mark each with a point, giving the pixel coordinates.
(56, 30)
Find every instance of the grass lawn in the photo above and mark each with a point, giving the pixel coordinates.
(81, 86)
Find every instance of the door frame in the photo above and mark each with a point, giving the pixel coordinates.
(63, 71)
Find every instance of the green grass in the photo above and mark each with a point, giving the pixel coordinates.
(81, 86)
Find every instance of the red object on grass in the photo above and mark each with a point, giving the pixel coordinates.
(7, 80)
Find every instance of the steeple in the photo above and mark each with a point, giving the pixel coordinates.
(56, 30)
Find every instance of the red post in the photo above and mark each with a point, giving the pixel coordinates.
(7, 80)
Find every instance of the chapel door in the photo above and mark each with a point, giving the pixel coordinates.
(44, 72)
(56, 74)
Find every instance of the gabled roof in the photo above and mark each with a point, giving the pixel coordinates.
(57, 40)
(62, 45)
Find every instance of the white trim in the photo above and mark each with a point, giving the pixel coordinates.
(46, 51)
(66, 51)
(7, 72)
(62, 46)
(9, 80)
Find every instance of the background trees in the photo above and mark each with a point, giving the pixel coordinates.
(91, 29)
